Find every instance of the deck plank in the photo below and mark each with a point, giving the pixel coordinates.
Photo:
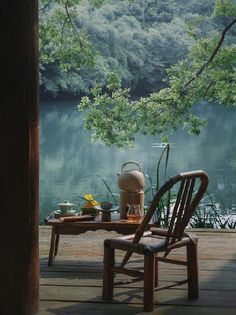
(71, 308)
(73, 284)
(133, 295)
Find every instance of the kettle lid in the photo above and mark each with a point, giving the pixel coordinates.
(66, 203)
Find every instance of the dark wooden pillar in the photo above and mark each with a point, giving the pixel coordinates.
(19, 263)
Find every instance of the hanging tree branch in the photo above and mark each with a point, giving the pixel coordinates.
(72, 24)
(214, 53)
(198, 73)
(46, 5)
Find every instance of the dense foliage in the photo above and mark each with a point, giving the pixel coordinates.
(82, 43)
(171, 53)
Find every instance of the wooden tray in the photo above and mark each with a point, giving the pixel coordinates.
(77, 218)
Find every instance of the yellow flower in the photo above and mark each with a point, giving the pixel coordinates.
(91, 202)
(94, 203)
(88, 197)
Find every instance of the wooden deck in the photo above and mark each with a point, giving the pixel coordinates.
(73, 284)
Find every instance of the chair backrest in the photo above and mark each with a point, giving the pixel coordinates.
(191, 188)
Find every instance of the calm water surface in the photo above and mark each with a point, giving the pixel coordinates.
(70, 162)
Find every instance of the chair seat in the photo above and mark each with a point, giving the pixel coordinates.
(152, 242)
(148, 243)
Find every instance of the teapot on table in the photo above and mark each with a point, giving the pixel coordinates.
(131, 179)
(131, 182)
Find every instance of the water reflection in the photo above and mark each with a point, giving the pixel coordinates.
(69, 161)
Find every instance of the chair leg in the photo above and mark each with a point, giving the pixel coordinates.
(156, 273)
(108, 274)
(149, 282)
(192, 269)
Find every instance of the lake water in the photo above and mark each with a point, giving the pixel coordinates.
(70, 163)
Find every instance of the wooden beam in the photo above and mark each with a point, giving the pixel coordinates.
(19, 263)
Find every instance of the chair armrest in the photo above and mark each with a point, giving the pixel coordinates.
(193, 237)
(163, 232)
(119, 243)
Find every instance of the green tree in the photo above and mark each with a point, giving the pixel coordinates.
(80, 43)
(136, 44)
(64, 45)
(207, 73)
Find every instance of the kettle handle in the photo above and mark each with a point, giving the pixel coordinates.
(131, 162)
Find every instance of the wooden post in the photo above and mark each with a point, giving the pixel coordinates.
(19, 261)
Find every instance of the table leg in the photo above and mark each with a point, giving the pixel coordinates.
(52, 246)
(57, 241)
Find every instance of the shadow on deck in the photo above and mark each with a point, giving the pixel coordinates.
(73, 285)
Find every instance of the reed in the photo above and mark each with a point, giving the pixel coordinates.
(162, 214)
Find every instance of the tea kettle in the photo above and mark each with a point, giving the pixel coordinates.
(131, 182)
(131, 179)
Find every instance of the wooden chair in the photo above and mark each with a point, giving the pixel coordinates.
(191, 188)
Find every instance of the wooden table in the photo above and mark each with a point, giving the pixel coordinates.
(78, 227)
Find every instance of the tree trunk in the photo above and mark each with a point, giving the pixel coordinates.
(19, 261)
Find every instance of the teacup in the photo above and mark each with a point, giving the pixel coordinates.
(65, 206)
(106, 205)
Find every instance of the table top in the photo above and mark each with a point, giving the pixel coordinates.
(115, 220)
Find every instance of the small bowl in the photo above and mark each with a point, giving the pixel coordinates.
(106, 205)
(65, 206)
